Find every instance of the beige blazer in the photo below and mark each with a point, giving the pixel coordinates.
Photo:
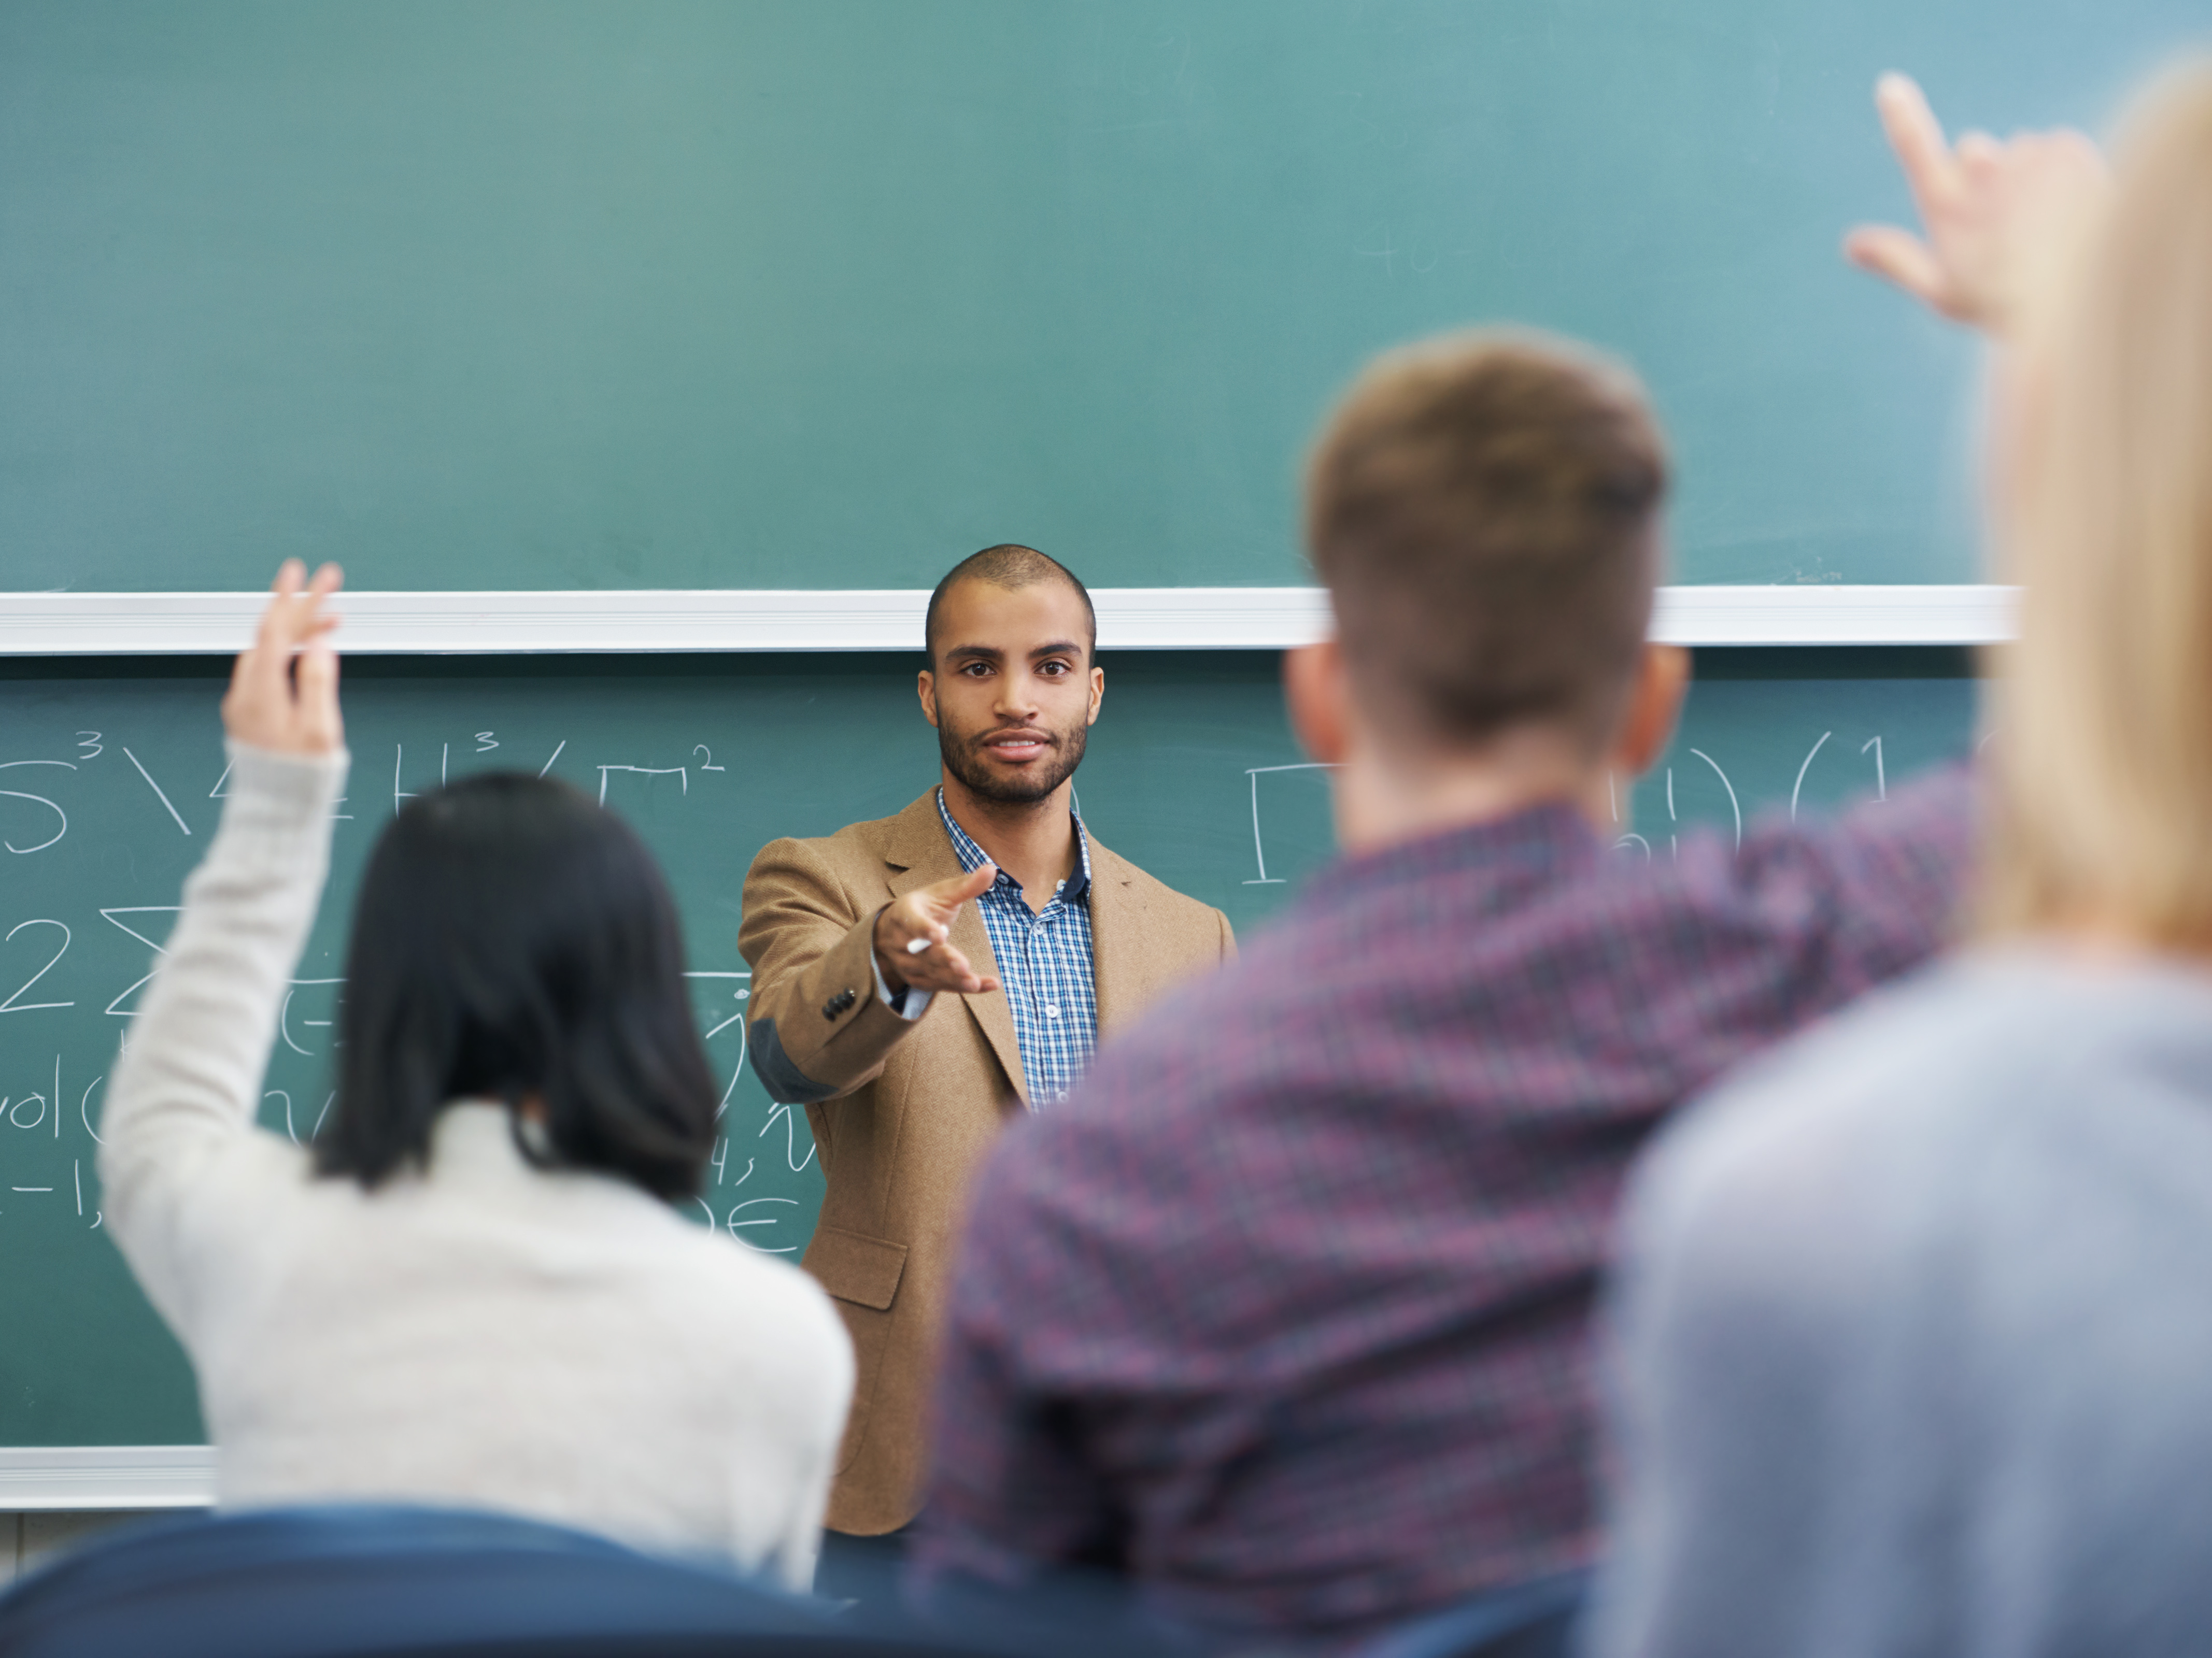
(902, 1111)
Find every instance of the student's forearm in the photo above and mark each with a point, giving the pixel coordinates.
(191, 1072)
(1911, 858)
(1857, 899)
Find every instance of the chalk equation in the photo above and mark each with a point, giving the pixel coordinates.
(74, 968)
(112, 786)
(102, 820)
(1288, 803)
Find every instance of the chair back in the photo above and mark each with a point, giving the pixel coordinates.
(1536, 1619)
(374, 1581)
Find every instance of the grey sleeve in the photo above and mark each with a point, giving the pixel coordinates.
(176, 1157)
(1725, 1346)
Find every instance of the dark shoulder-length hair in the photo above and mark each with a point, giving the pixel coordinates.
(513, 939)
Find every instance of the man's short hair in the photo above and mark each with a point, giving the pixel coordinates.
(1009, 564)
(1484, 511)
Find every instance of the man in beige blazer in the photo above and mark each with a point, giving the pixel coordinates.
(880, 1003)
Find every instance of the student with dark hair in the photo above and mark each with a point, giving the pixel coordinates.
(476, 1287)
(1285, 1313)
(462, 982)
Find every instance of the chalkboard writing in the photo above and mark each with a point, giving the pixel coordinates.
(110, 787)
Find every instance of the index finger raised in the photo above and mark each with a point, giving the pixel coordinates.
(263, 661)
(1916, 136)
(300, 611)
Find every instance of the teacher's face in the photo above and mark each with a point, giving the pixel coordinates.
(1013, 692)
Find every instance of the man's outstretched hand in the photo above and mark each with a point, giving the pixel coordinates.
(284, 689)
(924, 918)
(1996, 219)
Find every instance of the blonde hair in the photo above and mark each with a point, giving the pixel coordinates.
(2102, 774)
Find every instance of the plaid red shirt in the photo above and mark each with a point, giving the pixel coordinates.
(1285, 1312)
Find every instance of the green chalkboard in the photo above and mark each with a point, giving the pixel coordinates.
(111, 775)
(556, 293)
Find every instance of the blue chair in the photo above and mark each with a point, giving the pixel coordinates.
(1536, 1620)
(378, 1582)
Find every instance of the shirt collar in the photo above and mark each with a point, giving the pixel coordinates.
(1074, 889)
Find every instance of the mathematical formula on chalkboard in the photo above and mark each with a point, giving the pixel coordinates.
(50, 980)
(66, 990)
(305, 1018)
(111, 786)
(66, 955)
(1873, 780)
(33, 946)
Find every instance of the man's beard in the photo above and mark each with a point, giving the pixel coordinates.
(963, 760)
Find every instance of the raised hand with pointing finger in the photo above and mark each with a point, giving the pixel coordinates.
(914, 934)
(1997, 219)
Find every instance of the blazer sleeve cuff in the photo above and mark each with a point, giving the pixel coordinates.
(909, 1004)
(831, 1029)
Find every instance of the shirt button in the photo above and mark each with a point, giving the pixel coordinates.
(1050, 1012)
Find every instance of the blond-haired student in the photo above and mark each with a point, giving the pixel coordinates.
(1912, 1342)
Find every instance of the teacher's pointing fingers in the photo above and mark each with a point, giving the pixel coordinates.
(914, 934)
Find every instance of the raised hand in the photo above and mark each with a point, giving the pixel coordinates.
(284, 688)
(912, 935)
(1997, 218)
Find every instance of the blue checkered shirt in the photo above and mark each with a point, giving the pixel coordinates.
(1044, 965)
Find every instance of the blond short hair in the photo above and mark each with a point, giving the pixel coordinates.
(2102, 773)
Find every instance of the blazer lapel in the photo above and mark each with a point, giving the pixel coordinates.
(921, 855)
(1117, 934)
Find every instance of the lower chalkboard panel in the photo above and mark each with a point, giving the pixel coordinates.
(111, 777)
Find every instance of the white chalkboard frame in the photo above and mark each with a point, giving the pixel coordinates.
(38, 1478)
(889, 619)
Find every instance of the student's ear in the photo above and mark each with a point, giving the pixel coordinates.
(1655, 702)
(1097, 692)
(1319, 698)
(925, 687)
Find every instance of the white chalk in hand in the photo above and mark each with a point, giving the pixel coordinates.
(916, 946)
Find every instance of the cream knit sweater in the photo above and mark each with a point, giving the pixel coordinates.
(562, 1346)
